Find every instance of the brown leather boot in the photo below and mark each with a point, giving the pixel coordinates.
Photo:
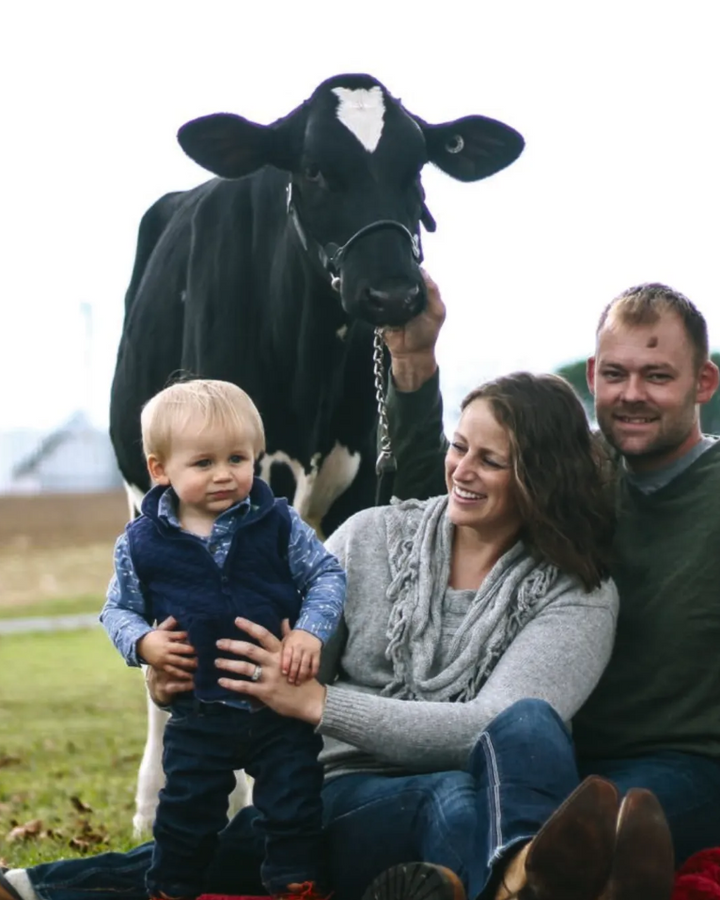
(571, 856)
(644, 864)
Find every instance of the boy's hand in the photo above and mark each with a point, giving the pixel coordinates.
(300, 659)
(167, 651)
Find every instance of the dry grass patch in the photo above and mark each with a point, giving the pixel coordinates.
(56, 551)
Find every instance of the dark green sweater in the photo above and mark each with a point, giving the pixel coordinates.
(661, 689)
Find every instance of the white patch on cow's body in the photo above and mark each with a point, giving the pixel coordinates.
(295, 467)
(342, 332)
(318, 489)
(135, 498)
(336, 474)
(151, 777)
(362, 112)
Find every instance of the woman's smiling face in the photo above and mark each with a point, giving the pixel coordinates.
(479, 474)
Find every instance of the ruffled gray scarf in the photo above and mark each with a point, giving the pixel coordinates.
(420, 544)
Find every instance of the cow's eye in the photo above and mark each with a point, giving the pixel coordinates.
(313, 173)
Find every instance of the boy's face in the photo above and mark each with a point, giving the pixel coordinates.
(209, 470)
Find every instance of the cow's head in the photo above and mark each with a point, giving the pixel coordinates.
(354, 155)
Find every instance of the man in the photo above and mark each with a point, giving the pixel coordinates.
(654, 719)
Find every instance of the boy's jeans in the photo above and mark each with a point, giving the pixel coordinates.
(204, 744)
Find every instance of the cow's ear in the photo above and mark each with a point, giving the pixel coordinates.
(226, 144)
(472, 148)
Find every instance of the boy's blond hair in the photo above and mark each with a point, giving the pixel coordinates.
(216, 403)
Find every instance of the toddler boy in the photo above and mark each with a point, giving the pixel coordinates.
(212, 544)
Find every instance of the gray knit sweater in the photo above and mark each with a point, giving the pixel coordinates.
(558, 656)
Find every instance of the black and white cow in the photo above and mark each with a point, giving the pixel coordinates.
(274, 274)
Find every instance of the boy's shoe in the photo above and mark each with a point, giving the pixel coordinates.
(308, 890)
(416, 881)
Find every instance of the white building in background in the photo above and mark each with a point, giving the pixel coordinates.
(76, 457)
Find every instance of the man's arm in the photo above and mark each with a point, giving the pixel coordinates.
(418, 441)
(414, 402)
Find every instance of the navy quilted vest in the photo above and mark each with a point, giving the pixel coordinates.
(180, 578)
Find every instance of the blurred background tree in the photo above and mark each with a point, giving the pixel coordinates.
(574, 372)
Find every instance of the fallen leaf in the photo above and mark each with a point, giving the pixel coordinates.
(79, 844)
(80, 806)
(25, 832)
(86, 833)
(50, 834)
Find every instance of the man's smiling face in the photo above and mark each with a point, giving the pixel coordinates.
(647, 386)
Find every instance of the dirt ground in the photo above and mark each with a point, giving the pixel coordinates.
(57, 546)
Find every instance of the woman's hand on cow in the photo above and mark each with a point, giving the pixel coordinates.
(412, 346)
(264, 662)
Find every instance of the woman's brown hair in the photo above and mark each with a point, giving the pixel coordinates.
(563, 482)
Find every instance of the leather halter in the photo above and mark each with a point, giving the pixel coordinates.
(332, 256)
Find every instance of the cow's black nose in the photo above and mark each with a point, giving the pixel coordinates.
(397, 300)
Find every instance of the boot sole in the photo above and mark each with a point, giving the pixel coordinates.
(416, 881)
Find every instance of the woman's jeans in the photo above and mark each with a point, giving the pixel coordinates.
(520, 770)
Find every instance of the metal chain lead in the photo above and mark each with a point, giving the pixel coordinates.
(386, 460)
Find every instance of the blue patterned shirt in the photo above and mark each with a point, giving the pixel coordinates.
(317, 575)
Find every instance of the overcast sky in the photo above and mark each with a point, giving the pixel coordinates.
(619, 183)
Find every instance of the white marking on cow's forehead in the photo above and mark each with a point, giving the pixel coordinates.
(362, 112)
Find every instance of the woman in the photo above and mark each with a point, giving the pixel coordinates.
(467, 605)
(475, 626)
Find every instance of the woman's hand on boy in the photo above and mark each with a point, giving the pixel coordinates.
(300, 659)
(167, 650)
(304, 701)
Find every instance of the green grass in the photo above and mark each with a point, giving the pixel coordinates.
(72, 725)
(55, 606)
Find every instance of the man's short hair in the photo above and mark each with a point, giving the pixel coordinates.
(212, 403)
(644, 304)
